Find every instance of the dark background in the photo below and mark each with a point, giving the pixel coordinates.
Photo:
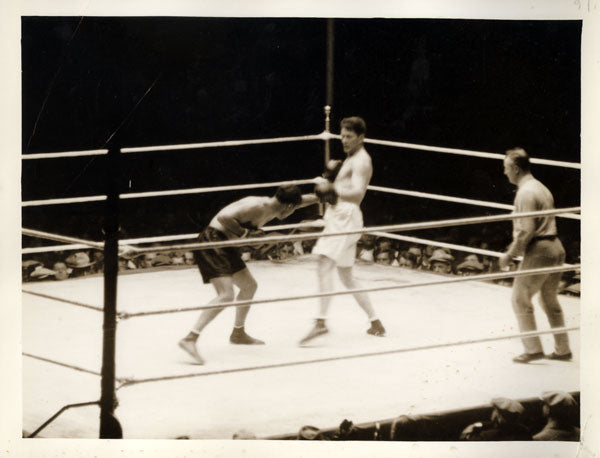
(483, 85)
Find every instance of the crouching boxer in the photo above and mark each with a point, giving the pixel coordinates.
(224, 267)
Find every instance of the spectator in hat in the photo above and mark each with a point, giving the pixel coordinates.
(284, 251)
(28, 267)
(470, 266)
(407, 259)
(428, 250)
(80, 263)
(384, 251)
(504, 424)
(560, 409)
(366, 247)
(177, 258)
(417, 253)
(161, 259)
(147, 260)
(383, 244)
(441, 262)
(384, 257)
(189, 258)
(41, 273)
(61, 271)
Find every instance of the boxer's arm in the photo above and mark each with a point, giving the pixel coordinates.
(232, 225)
(234, 216)
(308, 199)
(355, 188)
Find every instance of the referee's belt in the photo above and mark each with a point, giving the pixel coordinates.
(542, 237)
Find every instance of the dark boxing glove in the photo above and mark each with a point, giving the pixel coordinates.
(326, 193)
(332, 169)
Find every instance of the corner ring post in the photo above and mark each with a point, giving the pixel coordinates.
(109, 425)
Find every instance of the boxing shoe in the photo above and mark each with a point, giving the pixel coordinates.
(524, 358)
(376, 329)
(556, 356)
(239, 337)
(189, 346)
(318, 329)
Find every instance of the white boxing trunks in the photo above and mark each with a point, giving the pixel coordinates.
(344, 216)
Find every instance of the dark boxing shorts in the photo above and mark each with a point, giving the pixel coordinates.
(218, 262)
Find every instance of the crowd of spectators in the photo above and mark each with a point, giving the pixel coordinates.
(554, 417)
(442, 260)
(370, 249)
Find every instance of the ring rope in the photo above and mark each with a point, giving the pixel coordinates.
(169, 238)
(143, 149)
(354, 356)
(452, 246)
(68, 200)
(162, 238)
(492, 276)
(52, 248)
(322, 136)
(65, 200)
(385, 228)
(464, 152)
(171, 192)
(287, 238)
(136, 195)
(61, 238)
(58, 363)
(126, 315)
(93, 152)
(66, 301)
(481, 203)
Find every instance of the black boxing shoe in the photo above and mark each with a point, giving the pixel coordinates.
(527, 357)
(376, 329)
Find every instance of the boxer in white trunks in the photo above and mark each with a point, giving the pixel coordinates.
(343, 197)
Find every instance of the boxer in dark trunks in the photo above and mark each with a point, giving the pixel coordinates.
(224, 267)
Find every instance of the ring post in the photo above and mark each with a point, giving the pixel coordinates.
(327, 110)
(109, 425)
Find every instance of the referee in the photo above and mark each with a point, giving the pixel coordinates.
(536, 239)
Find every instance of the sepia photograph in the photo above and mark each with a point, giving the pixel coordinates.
(349, 228)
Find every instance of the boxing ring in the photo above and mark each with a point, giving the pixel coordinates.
(448, 346)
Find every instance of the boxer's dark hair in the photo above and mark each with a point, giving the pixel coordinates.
(289, 194)
(355, 124)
